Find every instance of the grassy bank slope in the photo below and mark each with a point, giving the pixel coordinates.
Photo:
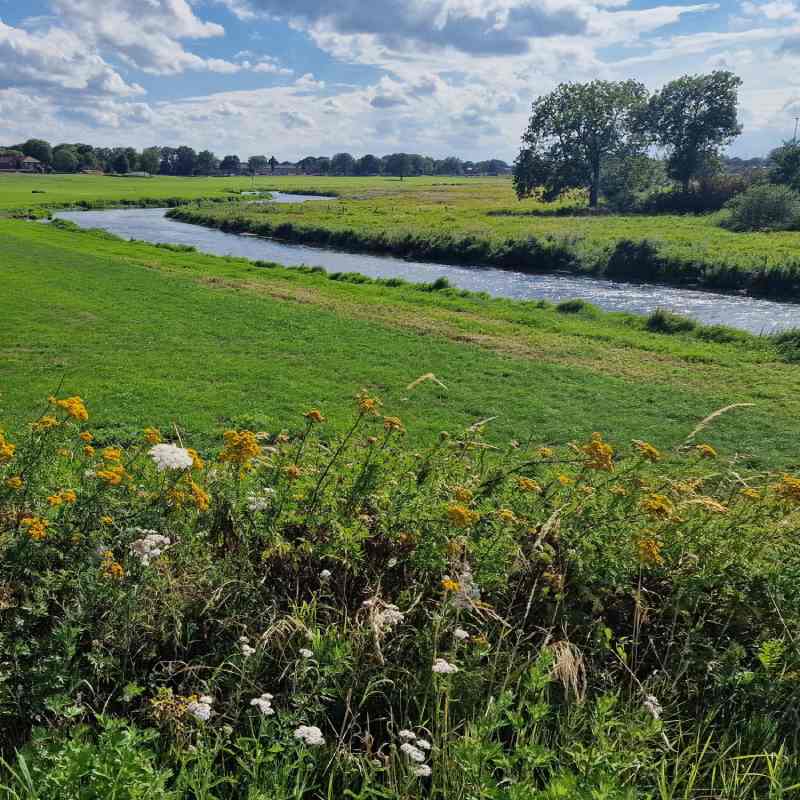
(149, 335)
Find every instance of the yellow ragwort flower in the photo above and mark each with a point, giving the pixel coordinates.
(706, 451)
(315, 415)
(619, 490)
(37, 528)
(646, 450)
(45, 423)
(292, 472)
(507, 516)
(15, 483)
(367, 404)
(86, 436)
(200, 497)
(107, 520)
(649, 551)
(69, 496)
(88, 450)
(599, 454)
(788, 488)
(657, 505)
(73, 406)
(240, 447)
(449, 585)
(564, 480)
(113, 476)
(462, 494)
(152, 435)
(112, 454)
(197, 460)
(461, 517)
(7, 449)
(54, 500)
(392, 424)
(750, 494)
(545, 452)
(529, 485)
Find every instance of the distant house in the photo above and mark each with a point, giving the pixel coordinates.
(287, 169)
(14, 162)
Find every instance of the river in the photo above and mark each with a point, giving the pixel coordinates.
(747, 313)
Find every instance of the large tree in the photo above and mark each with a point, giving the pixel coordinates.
(39, 149)
(65, 158)
(185, 160)
(150, 159)
(399, 165)
(693, 117)
(257, 164)
(231, 165)
(368, 165)
(343, 164)
(784, 165)
(207, 163)
(573, 130)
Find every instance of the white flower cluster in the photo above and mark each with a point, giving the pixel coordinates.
(653, 706)
(325, 575)
(151, 545)
(244, 646)
(468, 592)
(264, 704)
(442, 667)
(389, 616)
(460, 634)
(310, 734)
(306, 653)
(416, 749)
(201, 709)
(260, 501)
(170, 456)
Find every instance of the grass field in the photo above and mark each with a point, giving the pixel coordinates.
(149, 335)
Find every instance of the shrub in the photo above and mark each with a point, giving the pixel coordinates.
(708, 195)
(661, 321)
(764, 208)
(574, 306)
(788, 344)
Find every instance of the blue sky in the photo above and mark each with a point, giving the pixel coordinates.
(319, 76)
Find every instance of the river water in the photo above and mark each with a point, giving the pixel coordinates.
(151, 225)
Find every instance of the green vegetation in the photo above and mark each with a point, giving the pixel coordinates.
(764, 207)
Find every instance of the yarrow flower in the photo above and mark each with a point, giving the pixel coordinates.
(201, 708)
(407, 735)
(421, 771)
(442, 667)
(151, 545)
(244, 646)
(306, 653)
(653, 706)
(413, 752)
(264, 704)
(310, 734)
(460, 634)
(325, 575)
(170, 456)
(260, 501)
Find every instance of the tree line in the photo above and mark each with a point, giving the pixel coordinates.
(186, 161)
(595, 136)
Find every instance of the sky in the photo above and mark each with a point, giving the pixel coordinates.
(315, 77)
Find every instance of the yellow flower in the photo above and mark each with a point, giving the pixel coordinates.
(315, 415)
(152, 435)
(529, 485)
(74, 407)
(69, 496)
(657, 505)
(449, 585)
(6, 449)
(45, 423)
(63, 452)
(460, 516)
(462, 494)
(545, 452)
(788, 488)
(367, 404)
(107, 520)
(88, 451)
(564, 480)
(706, 451)
(750, 494)
(112, 454)
(200, 497)
(111, 567)
(54, 500)
(197, 461)
(240, 447)
(113, 476)
(292, 472)
(710, 503)
(599, 454)
(506, 515)
(86, 436)
(649, 551)
(15, 483)
(37, 528)
(646, 450)
(619, 490)
(392, 424)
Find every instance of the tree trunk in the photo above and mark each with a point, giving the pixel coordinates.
(594, 187)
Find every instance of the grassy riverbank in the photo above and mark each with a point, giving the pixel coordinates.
(153, 335)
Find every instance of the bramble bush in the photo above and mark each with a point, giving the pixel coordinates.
(309, 614)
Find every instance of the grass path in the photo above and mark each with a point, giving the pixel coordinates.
(149, 335)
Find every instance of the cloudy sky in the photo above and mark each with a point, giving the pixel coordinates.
(307, 77)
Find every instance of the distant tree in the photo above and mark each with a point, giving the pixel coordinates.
(399, 165)
(87, 158)
(169, 160)
(449, 166)
(231, 164)
(693, 117)
(368, 165)
(103, 156)
(257, 164)
(207, 163)
(273, 162)
(493, 166)
(120, 163)
(150, 159)
(309, 164)
(40, 149)
(784, 165)
(323, 165)
(185, 160)
(65, 158)
(573, 130)
(343, 164)
(133, 158)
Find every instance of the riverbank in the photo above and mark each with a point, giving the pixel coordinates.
(155, 335)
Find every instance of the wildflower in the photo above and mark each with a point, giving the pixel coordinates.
(442, 667)
(151, 545)
(649, 551)
(261, 501)
(466, 592)
(788, 488)
(529, 485)
(240, 447)
(107, 520)
(197, 461)
(88, 451)
(646, 450)
(264, 704)
(711, 504)
(619, 490)
(462, 494)
(706, 451)
(292, 472)
(564, 480)
(389, 616)
(507, 516)
(200, 497)
(201, 708)
(413, 752)
(315, 415)
(45, 423)
(114, 570)
(37, 527)
(170, 456)
(152, 435)
(85, 436)
(449, 585)
(244, 646)
(750, 494)
(325, 575)
(460, 516)
(423, 744)
(74, 407)
(112, 454)
(545, 452)
(54, 500)
(112, 476)
(367, 404)
(599, 454)
(7, 449)
(657, 505)
(653, 706)
(407, 735)
(310, 734)
(460, 634)
(392, 424)
(421, 771)
(69, 496)
(15, 483)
